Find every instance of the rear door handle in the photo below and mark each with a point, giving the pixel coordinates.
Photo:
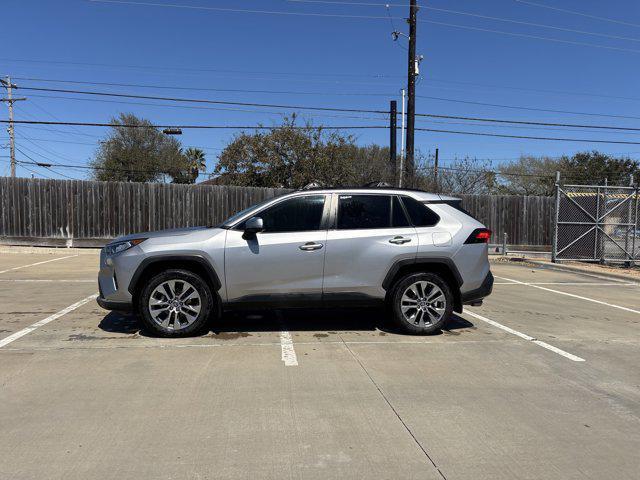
(399, 240)
(309, 246)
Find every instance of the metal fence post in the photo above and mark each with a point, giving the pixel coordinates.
(636, 229)
(629, 226)
(554, 246)
(599, 237)
(504, 244)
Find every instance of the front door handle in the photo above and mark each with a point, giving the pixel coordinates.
(399, 240)
(309, 246)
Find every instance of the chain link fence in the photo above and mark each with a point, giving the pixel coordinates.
(597, 223)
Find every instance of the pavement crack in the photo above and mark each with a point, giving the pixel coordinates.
(393, 409)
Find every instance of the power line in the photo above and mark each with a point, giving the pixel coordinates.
(332, 15)
(240, 10)
(476, 15)
(573, 12)
(191, 100)
(316, 93)
(187, 127)
(520, 127)
(197, 89)
(330, 109)
(534, 37)
(46, 150)
(75, 131)
(429, 115)
(42, 165)
(527, 137)
(182, 69)
(199, 107)
(128, 170)
(536, 90)
(527, 122)
(533, 109)
(359, 127)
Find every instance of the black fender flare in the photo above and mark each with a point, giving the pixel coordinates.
(395, 268)
(200, 259)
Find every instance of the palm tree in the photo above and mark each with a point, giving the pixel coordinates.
(196, 161)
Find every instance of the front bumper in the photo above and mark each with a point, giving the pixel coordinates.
(114, 278)
(476, 296)
(118, 306)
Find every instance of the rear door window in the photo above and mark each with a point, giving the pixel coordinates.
(364, 212)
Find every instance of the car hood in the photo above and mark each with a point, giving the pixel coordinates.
(173, 232)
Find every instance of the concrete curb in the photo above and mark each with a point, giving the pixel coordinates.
(573, 269)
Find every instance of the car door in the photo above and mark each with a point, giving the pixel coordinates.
(370, 232)
(282, 264)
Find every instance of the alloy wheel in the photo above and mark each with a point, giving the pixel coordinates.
(423, 304)
(174, 304)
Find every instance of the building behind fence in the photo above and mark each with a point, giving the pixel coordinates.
(87, 213)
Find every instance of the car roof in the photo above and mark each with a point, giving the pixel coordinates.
(420, 195)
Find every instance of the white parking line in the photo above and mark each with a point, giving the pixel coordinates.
(288, 353)
(524, 336)
(598, 284)
(580, 297)
(21, 333)
(41, 280)
(37, 263)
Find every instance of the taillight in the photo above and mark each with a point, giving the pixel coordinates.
(479, 235)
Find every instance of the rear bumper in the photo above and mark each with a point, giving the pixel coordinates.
(484, 290)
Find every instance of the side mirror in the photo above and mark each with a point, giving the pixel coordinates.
(252, 226)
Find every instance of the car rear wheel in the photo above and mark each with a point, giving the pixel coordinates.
(175, 303)
(421, 303)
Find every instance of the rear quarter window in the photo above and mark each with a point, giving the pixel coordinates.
(419, 213)
(457, 204)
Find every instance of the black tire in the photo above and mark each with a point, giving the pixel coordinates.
(185, 329)
(424, 328)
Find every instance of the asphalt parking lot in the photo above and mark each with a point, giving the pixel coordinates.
(543, 381)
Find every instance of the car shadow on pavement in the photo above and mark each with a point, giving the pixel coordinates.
(299, 320)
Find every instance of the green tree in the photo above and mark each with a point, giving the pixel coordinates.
(291, 156)
(594, 167)
(536, 175)
(136, 154)
(528, 176)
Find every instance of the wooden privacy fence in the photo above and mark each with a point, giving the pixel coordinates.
(527, 220)
(86, 213)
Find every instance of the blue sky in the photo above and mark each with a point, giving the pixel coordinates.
(328, 61)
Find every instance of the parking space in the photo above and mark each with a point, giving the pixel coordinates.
(540, 382)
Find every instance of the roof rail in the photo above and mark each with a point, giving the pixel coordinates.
(377, 184)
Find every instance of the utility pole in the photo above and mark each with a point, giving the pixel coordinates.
(435, 172)
(411, 88)
(393, 131)
(6, 83)
(402, 139)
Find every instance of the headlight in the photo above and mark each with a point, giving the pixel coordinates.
(118, 247)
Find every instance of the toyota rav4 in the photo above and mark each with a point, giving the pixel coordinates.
(420, 254)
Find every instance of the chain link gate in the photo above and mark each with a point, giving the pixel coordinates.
(596, 223)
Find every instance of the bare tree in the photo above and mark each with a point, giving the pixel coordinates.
(461, 176)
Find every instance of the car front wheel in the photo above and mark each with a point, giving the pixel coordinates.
(422, 303)
(175, 303)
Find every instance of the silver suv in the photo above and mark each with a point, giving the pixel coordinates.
(420, 254)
